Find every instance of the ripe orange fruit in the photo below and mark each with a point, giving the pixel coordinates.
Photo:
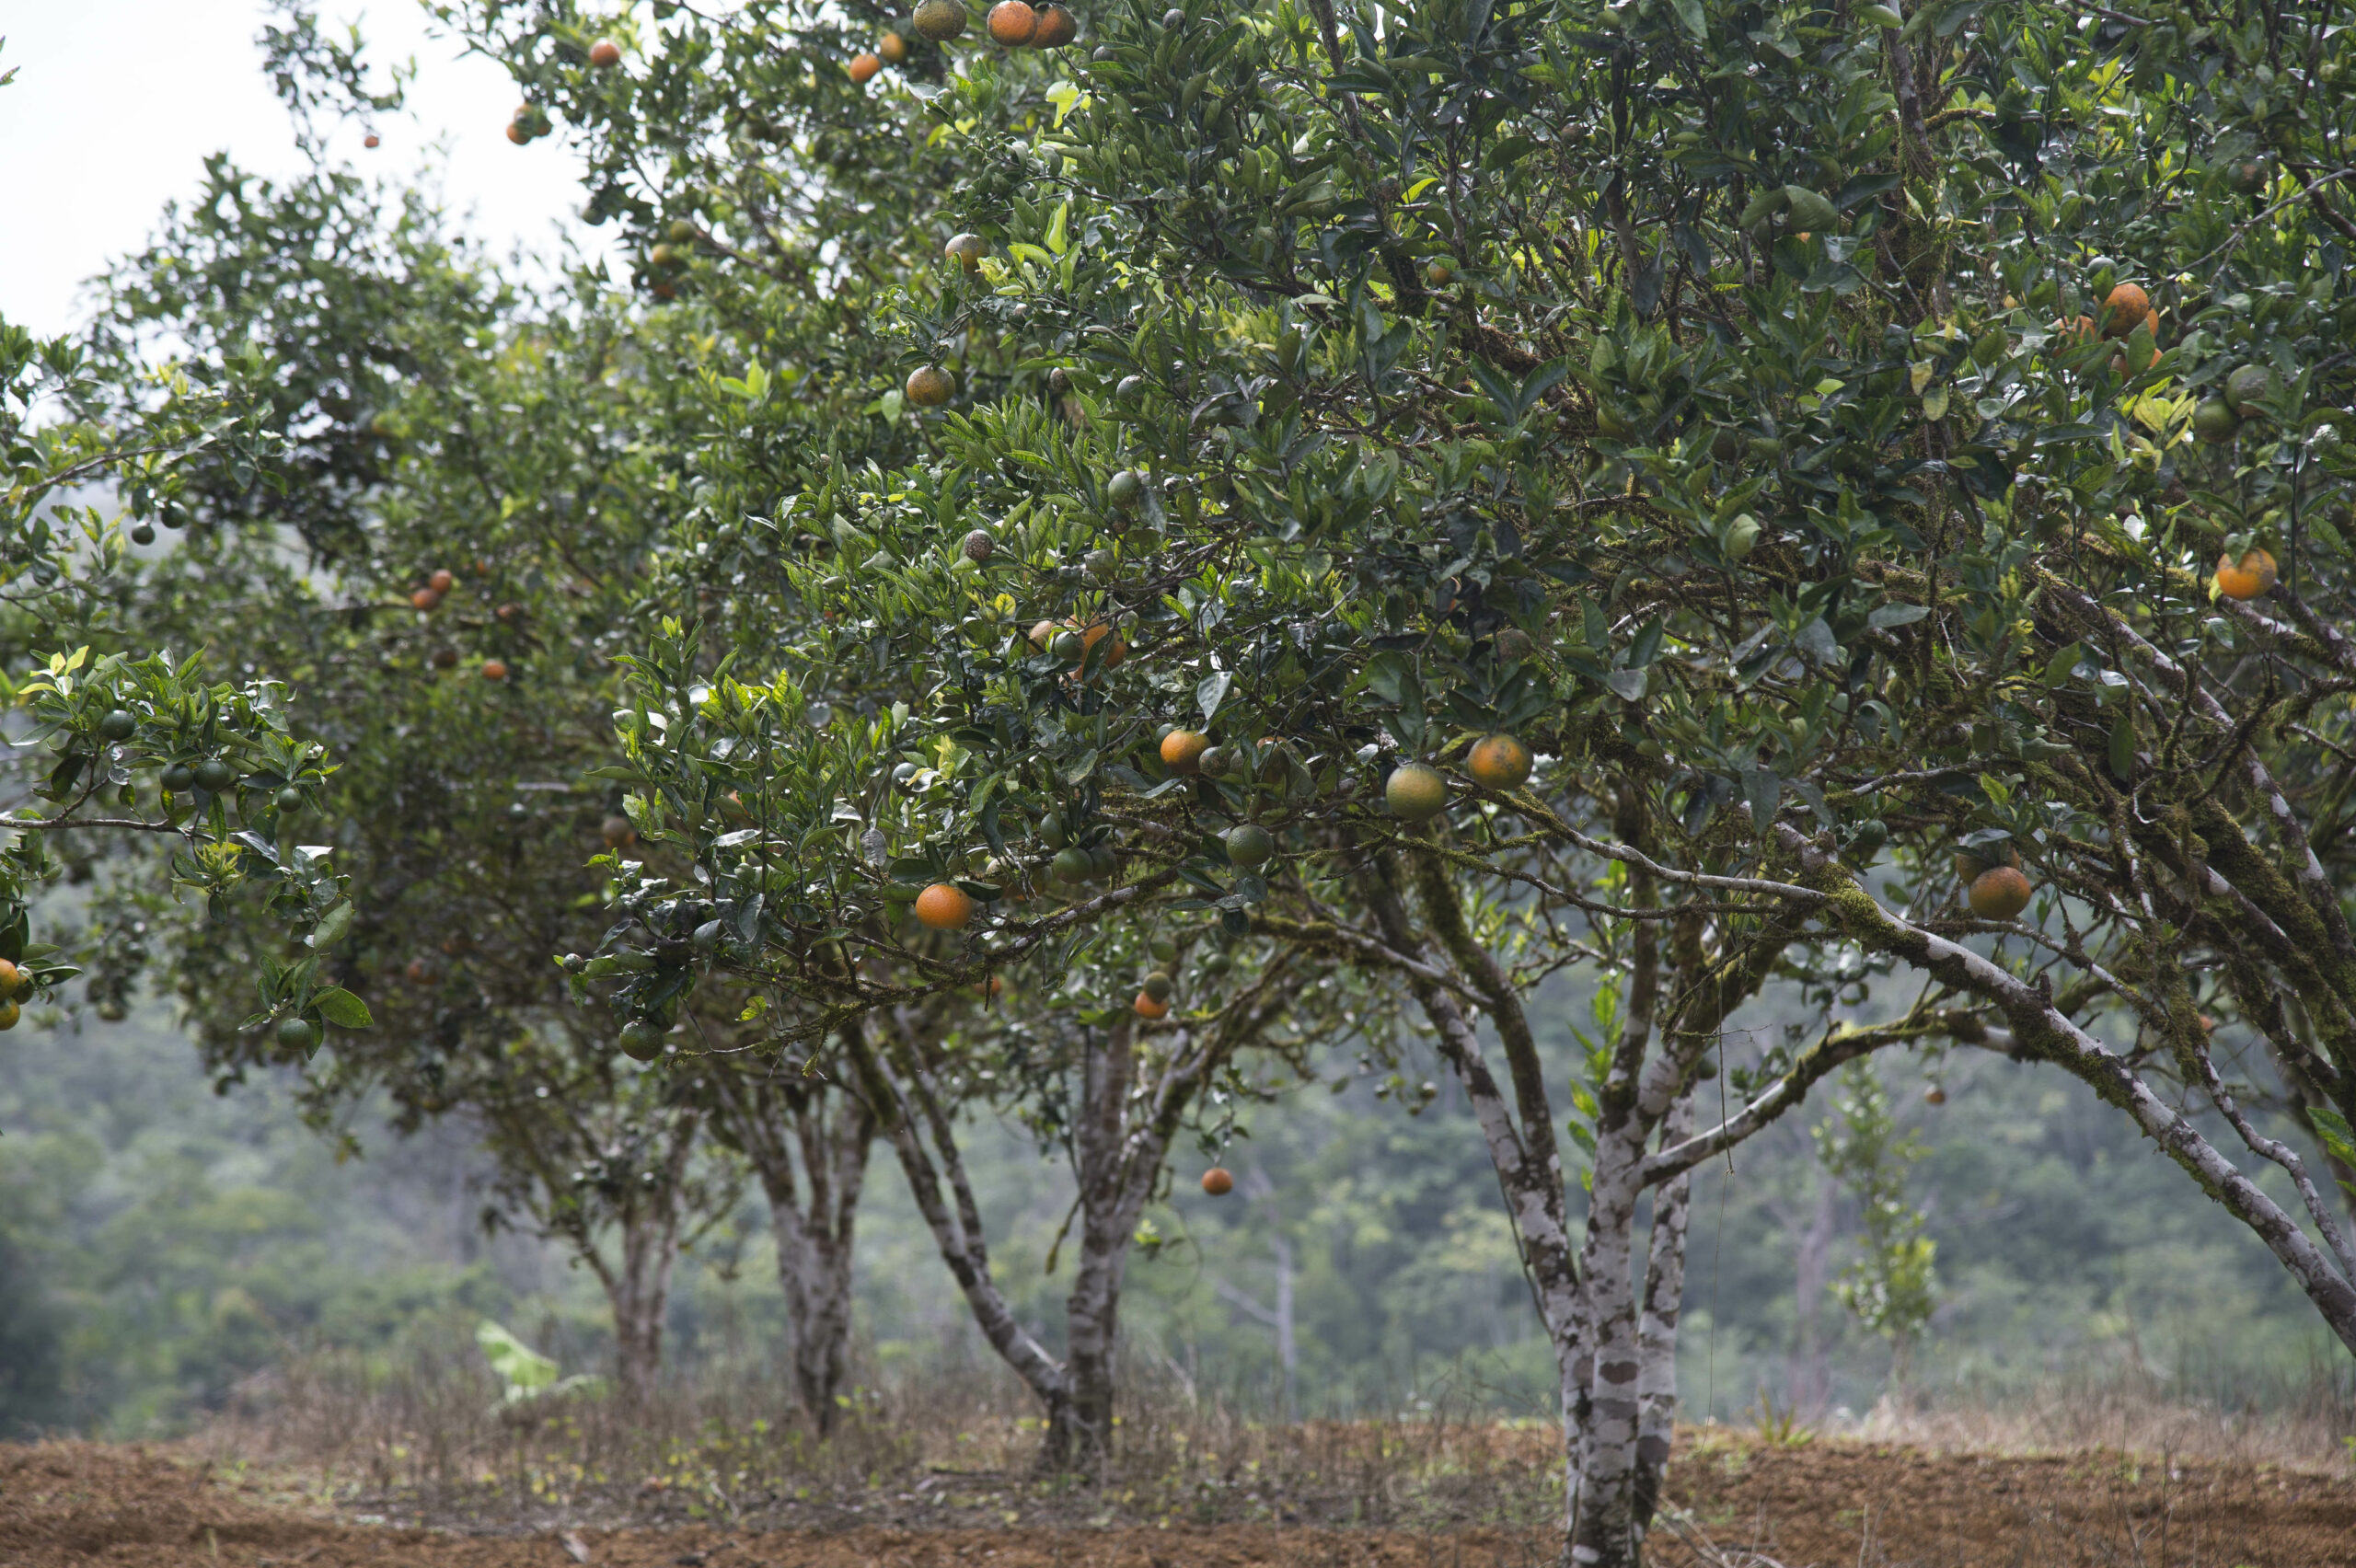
(1148, 1008)
(370, 141)
(863, 66)
(1415, 793)
(10, 978)
(2123, 309)
(1181, 749)
(618, 831)
(1058, 27)
(424, 599)
(516, 134)
(2000, 892)
(1096, 633)
(1934, 1095)
(1217, 1183)
(9, 1013)
(930, 386)
(1012, 23)
(944, 907)
(604, 54)
(2081, 331)
(1498, 762)
(441, 581)
(494, 670)
(2247, 578)
(992, 988)
(893, 48)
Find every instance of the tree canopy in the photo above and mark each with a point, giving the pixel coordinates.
(1711, 495)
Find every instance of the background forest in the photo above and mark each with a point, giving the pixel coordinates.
(168, 1250)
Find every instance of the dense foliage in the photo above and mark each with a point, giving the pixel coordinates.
(1808, 432)
(1703, 494)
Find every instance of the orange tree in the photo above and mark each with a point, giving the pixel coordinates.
(473, 476)
(784, 198)
(1842, 450)
(125, 742)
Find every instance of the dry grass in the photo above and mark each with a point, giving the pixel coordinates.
(2309, 1421)
(424, 1439)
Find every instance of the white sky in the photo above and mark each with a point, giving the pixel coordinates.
(116, 102)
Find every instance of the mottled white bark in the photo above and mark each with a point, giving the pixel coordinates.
(808, 1141)
(1132, 1102)
(638, 1282)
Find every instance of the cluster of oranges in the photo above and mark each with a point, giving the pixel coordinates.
(1012, 23)
(427, 599)
(529, 121)
(1416, 792)
(892, 49)
(2215, 420)
(1017, 25)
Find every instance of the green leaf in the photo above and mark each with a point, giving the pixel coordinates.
(524, 1370)
(2123, 746)
(341, 1008)
(1211, 691)
(1764, 790)
(1889, 616)
(1629, 684)
(1807, 210)
(331, 926)
(2332, 1128)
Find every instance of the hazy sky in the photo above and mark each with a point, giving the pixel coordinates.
(116, 102)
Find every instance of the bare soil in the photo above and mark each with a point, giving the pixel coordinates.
(1825, 1503)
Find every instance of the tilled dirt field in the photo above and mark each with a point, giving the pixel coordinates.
(77, 1505)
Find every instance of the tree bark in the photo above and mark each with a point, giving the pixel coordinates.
(808, 1143)
(900, 1089)
(1130, 1106)
(638, 1286)
(1663, 1303)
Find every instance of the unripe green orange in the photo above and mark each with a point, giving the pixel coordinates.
(939, 20)
(1250, 845)
(1415, 792)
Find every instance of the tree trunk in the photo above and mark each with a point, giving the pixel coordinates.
(1663, 1303)
(638, 1286)
(1107, 1165)
(1121, 1135)
(900, 1089)
(808, 1143)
